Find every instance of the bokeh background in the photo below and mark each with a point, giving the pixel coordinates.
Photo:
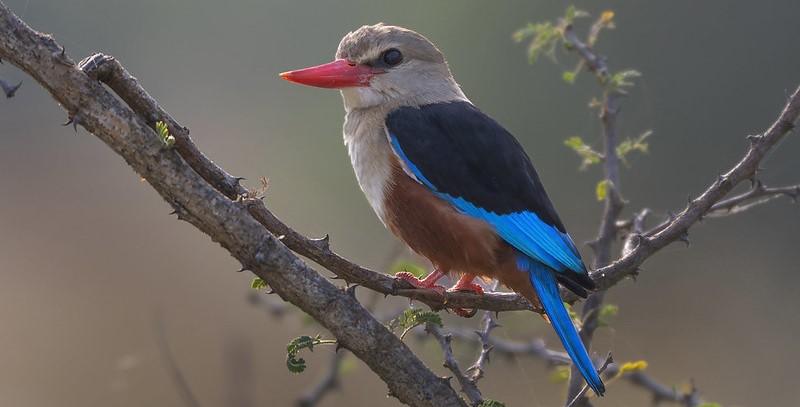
(90, 260)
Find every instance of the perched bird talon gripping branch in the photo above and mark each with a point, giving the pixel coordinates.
(449, 180)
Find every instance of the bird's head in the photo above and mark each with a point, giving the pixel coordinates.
(383, 65)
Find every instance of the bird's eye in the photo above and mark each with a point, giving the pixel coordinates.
(392, 57)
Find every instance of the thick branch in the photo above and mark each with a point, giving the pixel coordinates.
(226, 221)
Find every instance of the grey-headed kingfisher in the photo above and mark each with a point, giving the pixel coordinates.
(447, 179)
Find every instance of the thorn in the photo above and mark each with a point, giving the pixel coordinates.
(753, 139)
(492, 325)
(62, 58)
(241, 269)
(351, 290)
(685, 239)
(74, 120)
(338, 346)
(322, 243)
(237, 181)
(794, 194)
(9, 89)
(446, 379)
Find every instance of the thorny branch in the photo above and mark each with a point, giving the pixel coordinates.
(468, 385)
(538, 349)
(613, 202)
(757, 195)
(221, 216)
(227, 221)
(127, 87)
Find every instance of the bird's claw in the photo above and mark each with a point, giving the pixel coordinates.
(467, 286)
(464, 285)
(420, 284)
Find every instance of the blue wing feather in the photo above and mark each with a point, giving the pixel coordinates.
(546, 286)
(523, 230)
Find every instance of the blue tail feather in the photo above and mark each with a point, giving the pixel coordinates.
(546, 286)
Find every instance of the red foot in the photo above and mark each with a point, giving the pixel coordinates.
(465, 283)
(428, 283)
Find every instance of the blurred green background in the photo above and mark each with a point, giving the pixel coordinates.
(89, 256)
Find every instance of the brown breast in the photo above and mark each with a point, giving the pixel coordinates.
(452, 241)
(435, 230)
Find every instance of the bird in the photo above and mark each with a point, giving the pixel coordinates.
(448, 180)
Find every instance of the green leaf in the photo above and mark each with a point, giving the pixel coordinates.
(608, 310)
(589, 155)
(293, 363)
(544, 38)
(570, 16)
(623, 79)
(413, 317)
(491, 403)
(259, 284)
(572, 314)
(163, 134)
(413, 268)
(568, 77)
(638, 144)
(602, 190)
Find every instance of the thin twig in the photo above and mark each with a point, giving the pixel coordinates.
(468, 386)
(489, 323)
(175, 373)
(538, 349)
(613, 202)
(575, 401)
(327, 383)
(757, 195)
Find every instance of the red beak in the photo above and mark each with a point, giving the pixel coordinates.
(338, 74)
